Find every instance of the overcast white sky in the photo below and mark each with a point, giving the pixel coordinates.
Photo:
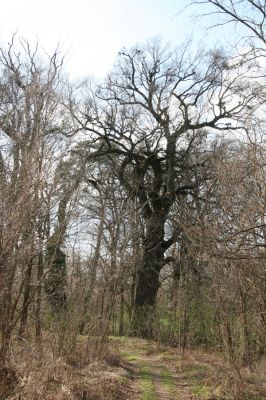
(91, 32)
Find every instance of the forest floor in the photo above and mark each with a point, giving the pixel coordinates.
(126, 369)
(162, 373)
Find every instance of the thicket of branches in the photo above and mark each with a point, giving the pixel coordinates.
(136, 206)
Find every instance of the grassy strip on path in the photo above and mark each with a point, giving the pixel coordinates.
(146, 384)
(167, 379)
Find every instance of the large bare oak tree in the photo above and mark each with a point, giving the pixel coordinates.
(149, 118)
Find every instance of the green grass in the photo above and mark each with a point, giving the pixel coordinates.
(196, 372)
(196, 376)
(167, 378)
(146, 384)
(169, 357)
(203, 392)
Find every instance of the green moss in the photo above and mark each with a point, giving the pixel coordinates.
(131, 357)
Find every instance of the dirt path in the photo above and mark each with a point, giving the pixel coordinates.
(162, 390)
(163, 373)
(151, 370)
(168, 385)
(153, 378)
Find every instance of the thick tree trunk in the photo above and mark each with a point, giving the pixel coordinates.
(147, 288)
(153, 260)
(148, 282)
(148, 276)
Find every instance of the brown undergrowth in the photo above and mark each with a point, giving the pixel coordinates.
(212, 378)
(81, 375)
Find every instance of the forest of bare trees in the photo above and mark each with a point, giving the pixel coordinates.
(135, 206)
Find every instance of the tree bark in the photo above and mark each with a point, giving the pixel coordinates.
(148, 275)
(153, 261)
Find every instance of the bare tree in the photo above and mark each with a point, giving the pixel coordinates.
(31, 125)
(250, 14)
(147, 118)
(229, 236)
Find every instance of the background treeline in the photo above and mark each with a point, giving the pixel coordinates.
(135, 206)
